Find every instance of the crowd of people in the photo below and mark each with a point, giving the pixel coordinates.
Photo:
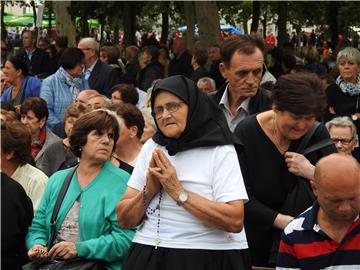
(224, 156)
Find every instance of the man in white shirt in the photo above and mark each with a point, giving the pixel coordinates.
(242, 60)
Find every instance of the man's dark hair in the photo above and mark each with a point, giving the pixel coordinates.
(245, 44)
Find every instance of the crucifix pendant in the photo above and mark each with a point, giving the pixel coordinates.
(157, 242)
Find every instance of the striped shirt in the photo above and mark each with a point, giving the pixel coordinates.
(305, 246)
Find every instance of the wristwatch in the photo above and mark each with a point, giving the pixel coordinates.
(354, 117)
(182, 198)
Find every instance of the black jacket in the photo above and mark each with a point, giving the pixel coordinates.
(150, 73)
(40, 63)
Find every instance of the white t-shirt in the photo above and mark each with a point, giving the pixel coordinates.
(212, 172)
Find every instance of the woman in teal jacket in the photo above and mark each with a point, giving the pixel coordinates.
(87, 221)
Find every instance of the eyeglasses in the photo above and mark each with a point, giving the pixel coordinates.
(171, 107)
(342, 141)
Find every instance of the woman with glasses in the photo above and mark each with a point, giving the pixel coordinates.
(186, 192)
(61, 89)
(343, 133)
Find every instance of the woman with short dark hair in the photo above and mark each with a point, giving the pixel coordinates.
(270, 164)
(87, 221)
(61, 89)
(124, 93)
(22, 85)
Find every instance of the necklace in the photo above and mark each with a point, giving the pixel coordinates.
(277, 141)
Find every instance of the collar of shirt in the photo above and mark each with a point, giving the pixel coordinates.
(310, 221)
(30, 53)
(225, 103)
(88, 71)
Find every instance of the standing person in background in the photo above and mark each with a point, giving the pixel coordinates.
(242, 65)
(101, 77)
(215, 58)
(181, 63)
(151, 68)
(61, 89)
(198, 62)
(36, 58)
(132, 66)
(343, 96)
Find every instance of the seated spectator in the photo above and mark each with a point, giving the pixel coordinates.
(97, 101)
(215, 58)
(8, 115)
(61, 89)
(312, 61)
(207, 85)
(151, 68)
(343, 133)
(128, 145)
(124, 93)
(150, 127)
(84, 95)
(22, 85)
(16, 216)
(87, 224)
(4, 83)
(164, 59)
(34, 114)
(198, 62)
(58, 155)
(15, 155)
(43, 43)
(326, 236)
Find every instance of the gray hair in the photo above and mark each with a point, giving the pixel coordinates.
(342, 122)
(207, 79)
(146, 112)
(107, 100)
(349, 53)
(92, 43)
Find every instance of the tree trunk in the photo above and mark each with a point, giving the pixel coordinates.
(207, 13)
(256, 5)
(129, 23)
(164, 27)
(281, 23)
(333, 22)
(34, 13)
(50, 17)
(64, 23)
(189, 15)
(264, 23)
(84, 26)
(2, 21)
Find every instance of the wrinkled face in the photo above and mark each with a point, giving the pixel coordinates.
(4, 82)
(171, 124)
(27, 40)
(149, 131)
(69, 124)
(244, 73)
(103, 57)
(340, 198)
(89, 52)
(205, 86)
(214, 53)
(348, 69)
(96, 103)
(293, 126)
(32, 122)
(99, 145)
(343, 139)
(10, 72)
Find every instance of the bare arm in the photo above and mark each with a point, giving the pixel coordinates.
(224, 216)
(299, 165)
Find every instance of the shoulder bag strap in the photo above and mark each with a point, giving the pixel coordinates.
(317, 146)
(304, 142)
(58, 203)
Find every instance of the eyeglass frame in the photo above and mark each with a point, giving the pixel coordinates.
(158, 115)
(342, 141)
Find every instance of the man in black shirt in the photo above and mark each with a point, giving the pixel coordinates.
(181, 64)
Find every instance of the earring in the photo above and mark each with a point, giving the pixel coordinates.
(80, 148)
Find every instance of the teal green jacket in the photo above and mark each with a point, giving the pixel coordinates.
(100, 235)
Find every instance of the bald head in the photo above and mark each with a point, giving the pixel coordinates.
(84, 95)
(337, 166)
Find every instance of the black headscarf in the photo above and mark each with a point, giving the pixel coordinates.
(206, 125)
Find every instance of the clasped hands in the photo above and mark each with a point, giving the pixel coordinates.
(161, 173)
(62, 250)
